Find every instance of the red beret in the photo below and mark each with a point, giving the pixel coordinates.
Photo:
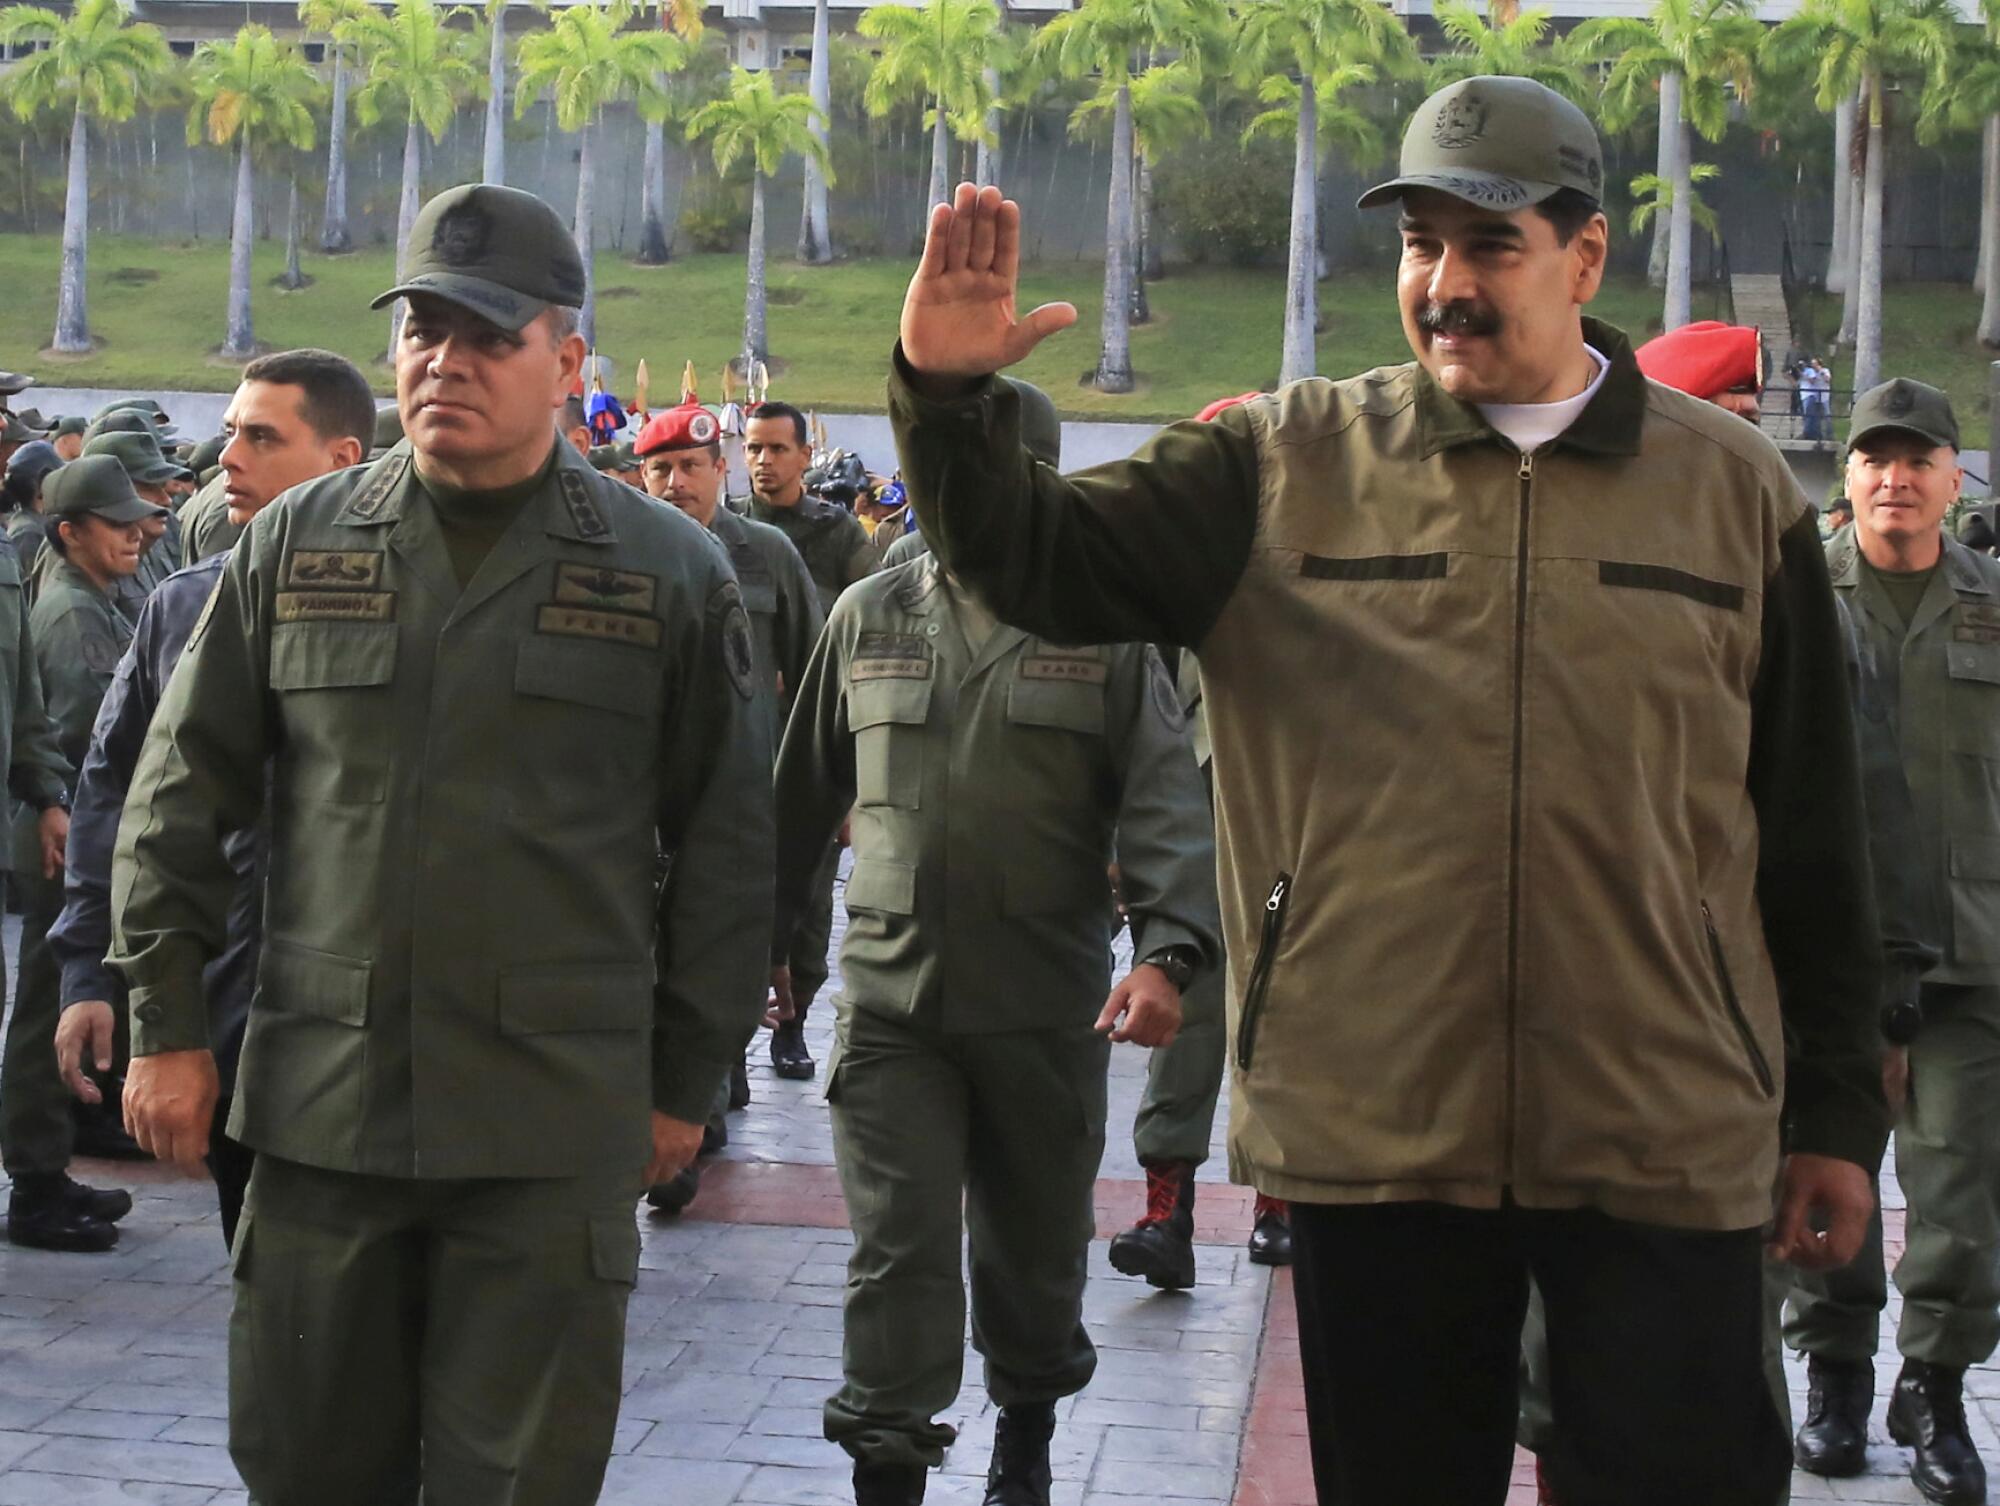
(688, 427)
(1706, 359)
(1223, 404)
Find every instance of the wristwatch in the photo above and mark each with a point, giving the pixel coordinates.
(1178, 962)
(1902, 1016)
(58, 801)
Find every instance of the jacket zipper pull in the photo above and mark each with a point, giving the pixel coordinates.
(1277, 898)
(1527, 465)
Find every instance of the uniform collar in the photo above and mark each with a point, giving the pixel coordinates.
(568, 510)
(1610, 423)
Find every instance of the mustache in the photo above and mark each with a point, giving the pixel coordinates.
(1461, 317)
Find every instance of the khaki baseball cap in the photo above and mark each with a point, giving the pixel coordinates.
(94, 484)
(1500, 143)
(1913, 407)
(141, 455)
(502, 253)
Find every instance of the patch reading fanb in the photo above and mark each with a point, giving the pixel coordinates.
(739, 657)
(610, 590)
(607, 627)
(1075, 671)
(334, 569)
(335, 606)
(1973, 632)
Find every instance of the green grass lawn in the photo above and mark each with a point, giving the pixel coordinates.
(1930, 332)
(157, 309)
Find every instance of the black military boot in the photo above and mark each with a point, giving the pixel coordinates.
(1160, 1246)
(1019, 1473)
(1271, 1234)
(42, 1215)
(789, 1057)
(674, 1194)
(1834, 1438)
(739, 1086)
(880, 1484)
(109, 1203)
(1927, 1414)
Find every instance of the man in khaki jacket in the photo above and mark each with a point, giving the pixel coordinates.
(1539, 821)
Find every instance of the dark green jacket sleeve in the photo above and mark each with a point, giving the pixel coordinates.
(800, 620)
(715, 908)
(815, 777)
(39, 773)
(1813, 880)
(1146, 549)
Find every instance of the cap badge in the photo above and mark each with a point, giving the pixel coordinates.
(701, 428)
(461, 235)
(1898, 401)
(1460, 123)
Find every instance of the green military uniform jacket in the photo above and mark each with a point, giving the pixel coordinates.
(79, 636)
(37, 772)
(205, 525)
(467, 968)
(785, 615)
(1940, 683)
(986, 790)
(829, 538)
(30, 536)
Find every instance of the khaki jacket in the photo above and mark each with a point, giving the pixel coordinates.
(1534, 777)
(468, 970)
(989, 793)
(1939, 682)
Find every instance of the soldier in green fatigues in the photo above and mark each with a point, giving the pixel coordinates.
(29, 468)
(151, 473)
(1926, 612)
(481, 1027)
(680, 457)
(830, 539)
(987, 772)
(95, 540)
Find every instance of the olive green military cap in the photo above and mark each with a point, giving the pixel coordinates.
(12, 382)
(141, 456)
(206, 455)
(13, 431)
(69, 423)
(1041, 428)
(1913, 407)
(500, 252)
(95, 484)
(1500, 143)
(145, 405)
(32, 418)
(127, 421)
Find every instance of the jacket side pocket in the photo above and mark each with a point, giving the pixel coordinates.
(1758, 1063)
(1260, 971)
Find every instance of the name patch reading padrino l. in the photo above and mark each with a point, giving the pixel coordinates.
(335, 606)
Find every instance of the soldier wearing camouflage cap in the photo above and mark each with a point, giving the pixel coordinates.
(1533, 562)
(1927, 611)
(481, 1026)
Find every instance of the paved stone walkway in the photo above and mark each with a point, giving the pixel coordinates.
(112, 1383)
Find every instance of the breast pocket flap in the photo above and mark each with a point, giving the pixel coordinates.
(876, 703)
(1071, 707)
(332, 655)
(607, 676)
(1974, 661)
(1975, 857)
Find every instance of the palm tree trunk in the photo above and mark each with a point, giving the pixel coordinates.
(1680, 234)
(585, 231)
(815, 234)
(294, 277)
(1868, 327)
(653, 249)
(493, 164)
(334, 236)
(72, 315)
(1989, 312)
(1142, 309)
(1850, 304)
(1114, 360)
(940, 189)
(1840, 257)
(987, 168)
(1989, 142)
(1670, 140)
(1301, 291)
(755, 345)
(406, 216)
(239, 337)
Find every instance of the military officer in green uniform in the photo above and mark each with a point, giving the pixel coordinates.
(1926, 611)
(496, 687)
(680, 459)
(777, 452)
(153, 476)
(94, 541)
(988, 773)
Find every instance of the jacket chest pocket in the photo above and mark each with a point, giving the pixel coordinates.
(1972, 711)
(887, 719)
(610, 678)
(1058, 705)
(760, 594)
(332, 656)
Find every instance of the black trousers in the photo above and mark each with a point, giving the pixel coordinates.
(1410, 1334)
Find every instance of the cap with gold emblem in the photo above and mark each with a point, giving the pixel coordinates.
(1912, 407)
(688, 427)
(500, 252)
(1500, 143)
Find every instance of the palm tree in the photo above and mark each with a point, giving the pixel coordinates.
(1858, 44)
(1166, 112)
(1332, 46)
(1507, 44)
(683, 18)
(940, 53)
(94, 63)
(815, 231)
(1653, 196)
(754, 120)
(257, 93)
(416, 63)
(1963, 95)
(1687, 54)
(326, 16)
(587, 60)
(1112, 39)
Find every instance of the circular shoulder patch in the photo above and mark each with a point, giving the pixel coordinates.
(100, 654)
(1166, 699)
(739, 658)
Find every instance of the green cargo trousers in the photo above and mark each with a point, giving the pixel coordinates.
(37, 1133)
(1176, 1115)
(813, 936)
(1010, 1126)
(460, 1339)
(1948, 1162)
